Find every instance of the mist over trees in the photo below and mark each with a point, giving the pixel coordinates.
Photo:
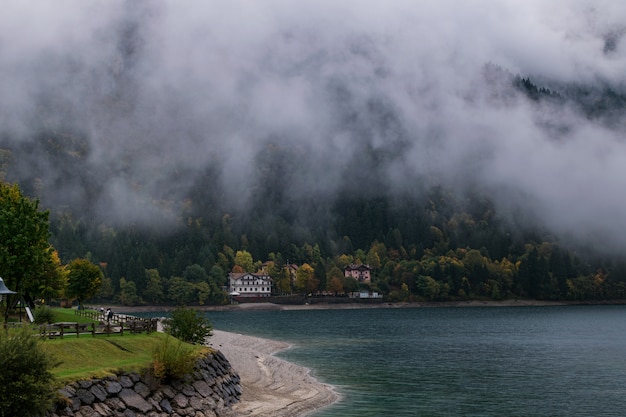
(439, 247)
(459, 160)
(438, 243)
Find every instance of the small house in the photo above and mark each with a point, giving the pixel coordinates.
(360, 272)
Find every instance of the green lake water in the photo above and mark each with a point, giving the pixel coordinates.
(517, 361)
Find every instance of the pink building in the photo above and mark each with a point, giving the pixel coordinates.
(362, 273)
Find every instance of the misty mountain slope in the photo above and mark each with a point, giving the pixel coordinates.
(288, 181)
(132, 113)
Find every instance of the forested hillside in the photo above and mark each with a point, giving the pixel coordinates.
(458, 160)
(440, 247)
(435, 243)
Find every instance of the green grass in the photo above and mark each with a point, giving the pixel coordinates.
(68, 315)
(95, 357)
(87, 357)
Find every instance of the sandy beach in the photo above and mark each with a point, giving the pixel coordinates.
(271, 386)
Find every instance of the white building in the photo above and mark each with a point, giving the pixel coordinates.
(246, 284)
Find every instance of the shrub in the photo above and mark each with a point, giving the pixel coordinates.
(43, 315)
(172, 359)
(26, 380)
(187, 325)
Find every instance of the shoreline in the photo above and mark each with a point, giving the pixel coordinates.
(271, 387)
(343, 306)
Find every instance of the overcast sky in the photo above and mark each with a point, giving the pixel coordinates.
(171, 85)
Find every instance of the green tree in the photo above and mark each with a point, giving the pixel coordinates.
(203, 291)
(217, 275)
(128, 293)
(154, 287)
(26, 380)
(25, 252)
(225, 258)
(217, 295)
(189, 326)
(427, 287)
(335, 280)
(83, 280)
(195, 273)
(282, 284)
(181, 291)
(106, 290)
(350, 284)
(475, 267)
(373, 260)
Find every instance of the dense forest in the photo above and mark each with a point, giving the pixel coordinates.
(439, 248)
(435, 242)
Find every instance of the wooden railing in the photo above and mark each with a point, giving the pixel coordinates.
(121, 326)
(102, 316)
(116, 324)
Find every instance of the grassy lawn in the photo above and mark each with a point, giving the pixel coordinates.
(87, 357)
(99, 356)
(95, 357)
(68, 315)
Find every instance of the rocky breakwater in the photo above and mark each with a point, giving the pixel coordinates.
(207, 392)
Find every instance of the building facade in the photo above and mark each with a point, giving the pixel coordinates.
(360, 272)
(246, 284)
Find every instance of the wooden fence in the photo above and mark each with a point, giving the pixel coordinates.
(116, 318)
(116, 324)
(135, 325)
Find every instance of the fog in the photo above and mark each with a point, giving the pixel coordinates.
(159, 91)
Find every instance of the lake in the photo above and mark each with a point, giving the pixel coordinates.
(470, 361)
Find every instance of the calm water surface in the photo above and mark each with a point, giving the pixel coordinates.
(518, 361)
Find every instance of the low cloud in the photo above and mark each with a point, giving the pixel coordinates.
(156, 92)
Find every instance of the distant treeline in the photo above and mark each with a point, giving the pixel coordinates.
(438, 247)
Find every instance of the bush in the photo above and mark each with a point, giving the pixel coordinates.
(188, 326)
(26, 380)
(172, 359)
(43, 315)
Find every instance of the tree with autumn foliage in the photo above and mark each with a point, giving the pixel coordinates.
(305, 279)
(27, 263)
(54, 278)
(335, 280)
(244, 260)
